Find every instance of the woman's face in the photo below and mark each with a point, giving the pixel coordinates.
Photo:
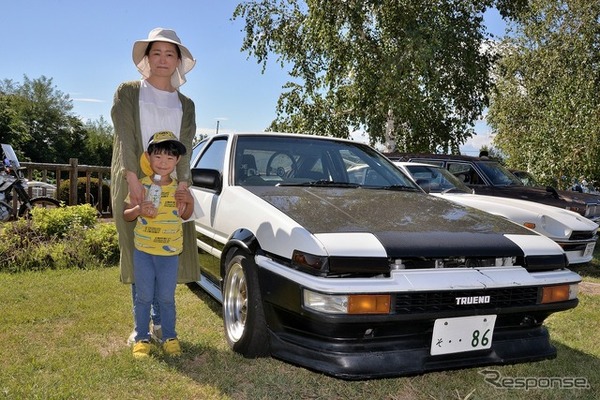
(163, 59)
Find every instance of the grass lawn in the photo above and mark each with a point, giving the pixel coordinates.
(63, 336)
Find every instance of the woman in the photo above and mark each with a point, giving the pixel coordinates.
(140, 109)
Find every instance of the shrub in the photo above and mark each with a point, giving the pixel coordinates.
(65, 189)
(58, 238)
(59, 221)
(103, 243)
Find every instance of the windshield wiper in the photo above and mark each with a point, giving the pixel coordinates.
(399, 188)
(321, 182)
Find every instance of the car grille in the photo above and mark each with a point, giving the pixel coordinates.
(423, 302)
(593, 210)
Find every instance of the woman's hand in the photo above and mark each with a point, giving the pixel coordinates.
(136, 189)
(183, 198)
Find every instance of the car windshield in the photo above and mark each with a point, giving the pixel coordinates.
(436, 179)
(526, 178)
(305, 161)
(498, 175)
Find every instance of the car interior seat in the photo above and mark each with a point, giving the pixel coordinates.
(247, 167)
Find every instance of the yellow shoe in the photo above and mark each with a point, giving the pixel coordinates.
(172, 347)
(141, 349)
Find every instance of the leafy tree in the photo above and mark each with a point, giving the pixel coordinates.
(12, 129)
(411, 69)
(545, 110)
(98, 143)
(43, 127)
(492, 153)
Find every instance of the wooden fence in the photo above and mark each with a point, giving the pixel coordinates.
(57, 173)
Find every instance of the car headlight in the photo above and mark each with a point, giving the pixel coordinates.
(554, 227)
(308, 261)
(339, 265)
(347, 303)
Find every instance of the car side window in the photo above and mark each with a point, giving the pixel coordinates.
(197, 149)
(214, 156)
(465, 173)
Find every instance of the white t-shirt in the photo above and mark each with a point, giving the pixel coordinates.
(159, 111)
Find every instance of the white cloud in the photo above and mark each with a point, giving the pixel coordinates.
(84, 100)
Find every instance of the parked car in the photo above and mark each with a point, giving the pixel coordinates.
(325, 255)
(525, 177)
(488, 177)
(39, 188)
(576, 234)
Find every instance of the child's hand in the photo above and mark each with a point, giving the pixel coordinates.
(147, 209)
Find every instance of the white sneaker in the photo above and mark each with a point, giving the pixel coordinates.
(131, 338)
(156, 332)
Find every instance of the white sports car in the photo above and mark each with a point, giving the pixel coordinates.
(357, 272)
(576, 234)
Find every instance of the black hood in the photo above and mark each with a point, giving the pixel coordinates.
(406, 223)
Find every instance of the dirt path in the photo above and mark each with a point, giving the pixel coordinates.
(589, 288)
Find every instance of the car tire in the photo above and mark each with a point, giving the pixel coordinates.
(243, 316)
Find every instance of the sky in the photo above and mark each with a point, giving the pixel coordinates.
(85, 48)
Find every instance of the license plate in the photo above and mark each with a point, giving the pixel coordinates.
(589, 249)
(456, 335)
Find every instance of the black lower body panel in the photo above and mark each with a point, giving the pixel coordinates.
(381, 359)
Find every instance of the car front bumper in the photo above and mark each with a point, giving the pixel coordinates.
(410, 356)
(399, 343)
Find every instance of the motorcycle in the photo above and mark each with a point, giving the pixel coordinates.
(12, 179)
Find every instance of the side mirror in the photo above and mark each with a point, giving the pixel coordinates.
(552, 191)
(207, 179)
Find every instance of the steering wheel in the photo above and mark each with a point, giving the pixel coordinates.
(281, 163)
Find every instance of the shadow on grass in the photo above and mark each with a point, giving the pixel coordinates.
(588, 270)
(214, 305)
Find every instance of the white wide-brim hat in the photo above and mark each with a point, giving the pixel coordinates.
(163, 35)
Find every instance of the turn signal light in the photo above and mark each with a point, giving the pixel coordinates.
(553, 294)
(529, 225)
(369, 304)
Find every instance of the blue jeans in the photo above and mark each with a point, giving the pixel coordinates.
(155, 276)
(154, 309)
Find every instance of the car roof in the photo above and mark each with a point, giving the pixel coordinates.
(398, 156)
(415, 163)
(284, 134)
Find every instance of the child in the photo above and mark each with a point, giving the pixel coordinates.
(158, 242)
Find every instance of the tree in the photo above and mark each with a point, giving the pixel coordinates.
(98, 143)
(492, 153)
(40, 122)
(545, 110)
(12, 129)
(417, 68)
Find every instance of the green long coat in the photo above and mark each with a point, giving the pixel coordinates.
(127, 150)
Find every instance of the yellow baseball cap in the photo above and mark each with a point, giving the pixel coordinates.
(167, 136)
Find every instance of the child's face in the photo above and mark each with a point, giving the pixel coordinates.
(162, 163)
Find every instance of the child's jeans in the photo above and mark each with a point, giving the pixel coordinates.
(155, 276)
(154, 309)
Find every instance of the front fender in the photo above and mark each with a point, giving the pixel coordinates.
(242, 239)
